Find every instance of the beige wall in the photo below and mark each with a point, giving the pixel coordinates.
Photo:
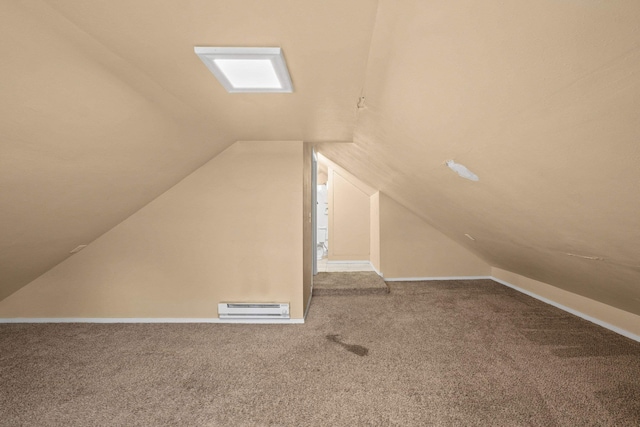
(322, 177)
(348, 220)
(543, 111)
(409, 247)
(621, 319)
(374, 236)
(230, 231)
(104, 107)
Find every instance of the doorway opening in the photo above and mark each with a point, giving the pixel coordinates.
(342, 223)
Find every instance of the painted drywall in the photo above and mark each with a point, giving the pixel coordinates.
(410, 247)
(615, 317)
(105, 106)
(374, 233)
(326, 163)
(541, 100)
(322, 177)
(80, 149)
(348, 220)
(230, 231)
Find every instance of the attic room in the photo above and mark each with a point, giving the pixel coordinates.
(493, 147)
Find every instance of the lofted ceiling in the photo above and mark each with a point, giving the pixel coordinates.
(105, 106)
(542, 101)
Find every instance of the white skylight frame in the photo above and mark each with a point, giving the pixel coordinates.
(209, 55)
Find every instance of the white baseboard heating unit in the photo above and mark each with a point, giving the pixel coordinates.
(241, 310)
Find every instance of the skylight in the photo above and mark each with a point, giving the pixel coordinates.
(247, 69)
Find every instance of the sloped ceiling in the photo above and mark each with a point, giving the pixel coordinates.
(542, 101)
(104, 106)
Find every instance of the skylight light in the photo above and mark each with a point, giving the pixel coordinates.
(249, 73)
(247, 69)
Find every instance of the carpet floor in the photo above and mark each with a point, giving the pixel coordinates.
(455, 353)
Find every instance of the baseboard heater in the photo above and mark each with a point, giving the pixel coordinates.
(237, 310)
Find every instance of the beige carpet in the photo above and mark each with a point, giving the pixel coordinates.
(438, 353)
(349, 283)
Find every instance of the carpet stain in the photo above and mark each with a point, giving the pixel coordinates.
(353, 348)
(622, 401)
(576, 340)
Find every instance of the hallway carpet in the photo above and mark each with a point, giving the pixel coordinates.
(456, 353)
(349, 283)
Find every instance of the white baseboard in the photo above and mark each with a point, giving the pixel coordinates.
(570, 310)
(425, 279)
(145, 320)
(591, 319)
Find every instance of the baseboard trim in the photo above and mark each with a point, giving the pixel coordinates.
(584, 316)
(426, 279)
(145, 320)
(591, 319)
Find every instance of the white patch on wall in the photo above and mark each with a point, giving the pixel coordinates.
(462, 170)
